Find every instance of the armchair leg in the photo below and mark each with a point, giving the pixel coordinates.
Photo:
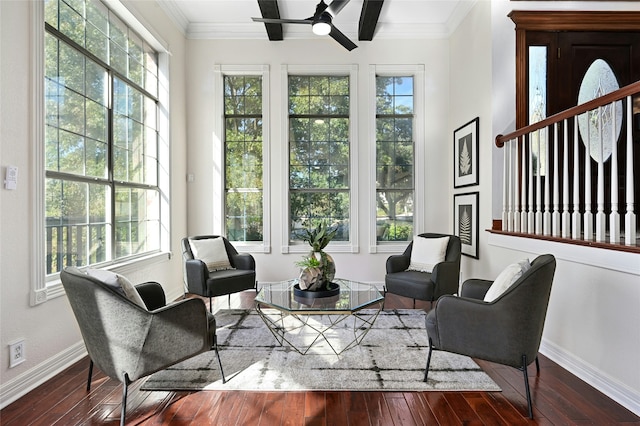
(426, 370)
(526, 385)
(537, 365)
(210, 305)
(215, 348)
(90, 374)
(229, 300)
(125, 388)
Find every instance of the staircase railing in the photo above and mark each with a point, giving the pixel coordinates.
(556, 186)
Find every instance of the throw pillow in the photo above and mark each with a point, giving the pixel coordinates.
(130, 291)
(427, 253)
(119, 284)
(506, 278)
(212, 252)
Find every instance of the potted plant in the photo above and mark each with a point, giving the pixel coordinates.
(318, 268)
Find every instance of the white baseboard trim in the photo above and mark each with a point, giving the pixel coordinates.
(619, 392)
(34, 377)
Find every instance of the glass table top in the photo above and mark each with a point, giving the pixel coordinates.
(353, 297)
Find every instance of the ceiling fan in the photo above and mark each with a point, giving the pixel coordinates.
(320, 22)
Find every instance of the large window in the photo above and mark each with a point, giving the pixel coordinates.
(319, 153)
(243, 157)
(394, 158)
(102, 199)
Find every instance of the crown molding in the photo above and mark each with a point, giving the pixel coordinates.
(252, 31)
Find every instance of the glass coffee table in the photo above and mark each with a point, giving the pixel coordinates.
(337, 323)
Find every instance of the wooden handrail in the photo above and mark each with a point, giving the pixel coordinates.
(621, 93)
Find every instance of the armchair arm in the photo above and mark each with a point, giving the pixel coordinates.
(397, 263)
(475, 288)
(243, 261)
(152, 295)
(445, 277)
(176, 332)
(197, 276)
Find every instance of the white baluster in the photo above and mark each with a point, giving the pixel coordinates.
(588, 216)
(566, 216)
(530, 213)
(510, 189)
(546, 218)
(601, 218)
(614, 216)
(516, 192)
(555, 221)
(505, 185)
(577, 218)
(538, 207)
(630, 216)
(524, 186)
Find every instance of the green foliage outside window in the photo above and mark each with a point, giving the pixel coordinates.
(101, 151)
(243, 157)
(319, 154)
(394, 158)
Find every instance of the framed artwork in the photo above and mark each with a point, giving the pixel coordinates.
(465, 222)
(465, 154)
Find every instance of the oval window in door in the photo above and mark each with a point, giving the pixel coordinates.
(597, 126)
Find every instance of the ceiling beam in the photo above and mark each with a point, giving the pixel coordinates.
(269, 10)
(369, 19)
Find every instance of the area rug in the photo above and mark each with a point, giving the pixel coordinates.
(392, 356)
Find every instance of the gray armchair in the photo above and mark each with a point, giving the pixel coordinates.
(444, 279)
(506, 331)
(199, 280)
(128, 342)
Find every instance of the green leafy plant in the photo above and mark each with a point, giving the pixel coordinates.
(320, 236)
(308, 262)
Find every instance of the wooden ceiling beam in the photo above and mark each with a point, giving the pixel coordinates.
(269, 10)
(369, 19)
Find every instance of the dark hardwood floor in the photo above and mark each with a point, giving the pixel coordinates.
(559, 398)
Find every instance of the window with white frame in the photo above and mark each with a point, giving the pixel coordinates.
(102, 153)
(397, 125)
(243, 157)
(395, 180)
(319, 153)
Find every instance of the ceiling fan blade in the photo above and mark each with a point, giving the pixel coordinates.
(336, 6)
(283, 21)
(337, 35)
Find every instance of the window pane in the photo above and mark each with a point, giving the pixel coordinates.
(76, 227)
(243, 157)
(394, 158)
(82, 133)
(319, 155)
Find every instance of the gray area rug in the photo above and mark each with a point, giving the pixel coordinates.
(392, 356)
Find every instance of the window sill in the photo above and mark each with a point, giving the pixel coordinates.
(54, 287)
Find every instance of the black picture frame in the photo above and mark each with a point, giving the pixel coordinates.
(465, 154)
(465, 221)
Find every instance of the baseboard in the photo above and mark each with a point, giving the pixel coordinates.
(619, 392)
(34, 377)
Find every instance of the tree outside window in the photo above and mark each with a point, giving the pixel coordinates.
(394, 158)
(102, 200)
(319, 154)
(243, 157)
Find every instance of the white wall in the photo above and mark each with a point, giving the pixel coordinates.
(203, 55)
(50, 331)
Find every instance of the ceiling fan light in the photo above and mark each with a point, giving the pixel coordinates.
(321, 28)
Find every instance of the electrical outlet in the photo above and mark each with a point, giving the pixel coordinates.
(16, 353)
